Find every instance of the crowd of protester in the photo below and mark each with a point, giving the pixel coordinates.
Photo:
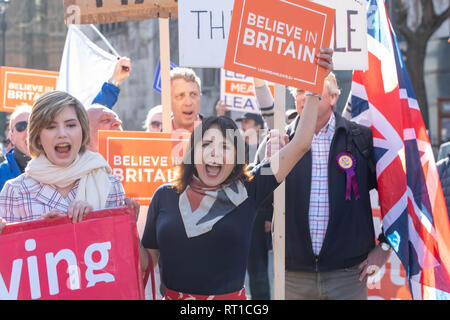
(227, 180)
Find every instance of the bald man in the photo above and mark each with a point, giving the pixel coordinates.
(101, 118)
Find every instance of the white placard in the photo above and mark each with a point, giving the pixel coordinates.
(350, 40)
(237, 91)
(203, 27)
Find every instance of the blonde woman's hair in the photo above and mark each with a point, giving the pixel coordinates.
(44, 112)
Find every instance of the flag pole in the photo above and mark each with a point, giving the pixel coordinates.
(105, 40)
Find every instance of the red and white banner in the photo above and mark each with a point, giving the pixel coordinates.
(53, 259)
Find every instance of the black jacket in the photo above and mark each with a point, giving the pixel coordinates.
(350, 234)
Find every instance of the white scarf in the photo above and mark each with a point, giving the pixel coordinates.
(90, 168)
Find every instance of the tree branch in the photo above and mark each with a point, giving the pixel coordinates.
(438, 20)
(402, 21)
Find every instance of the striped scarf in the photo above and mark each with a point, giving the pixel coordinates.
(202, 207)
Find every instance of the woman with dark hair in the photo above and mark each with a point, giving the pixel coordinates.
(201, 225)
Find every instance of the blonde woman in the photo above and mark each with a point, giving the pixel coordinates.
(63, 177)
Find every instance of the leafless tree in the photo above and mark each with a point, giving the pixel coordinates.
(417, 21)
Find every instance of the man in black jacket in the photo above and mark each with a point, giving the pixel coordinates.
(330, 238)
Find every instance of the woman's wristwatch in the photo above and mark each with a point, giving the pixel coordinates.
(385, 246)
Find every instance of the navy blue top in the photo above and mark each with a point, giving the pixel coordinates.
(212, 263)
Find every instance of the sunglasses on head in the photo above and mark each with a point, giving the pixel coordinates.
(21, 126)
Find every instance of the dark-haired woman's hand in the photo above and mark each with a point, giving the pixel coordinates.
(78, 210)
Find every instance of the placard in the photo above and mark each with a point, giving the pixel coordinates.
(278, 40)
(109, 11)
(143, 161)
(54, 259)
(24, 86)
(350, 40)
(237, 91)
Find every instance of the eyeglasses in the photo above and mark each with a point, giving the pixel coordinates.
(21, 126)
(156, 124)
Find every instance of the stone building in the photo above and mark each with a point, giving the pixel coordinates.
(35, 39)
(35, 34)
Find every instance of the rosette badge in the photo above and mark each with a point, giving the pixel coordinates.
(346, 162)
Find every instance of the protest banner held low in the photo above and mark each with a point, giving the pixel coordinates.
(143, 161)
(108, 11)
(278, 40)
(237, 91)
(54, 259)
(24, 86)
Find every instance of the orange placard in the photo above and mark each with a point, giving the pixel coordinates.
(24, 86)
(278, 40)
(142, 160)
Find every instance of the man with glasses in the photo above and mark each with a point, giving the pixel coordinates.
(18, 157)
(153, 121)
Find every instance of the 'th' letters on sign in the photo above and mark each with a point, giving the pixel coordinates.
(278, 40)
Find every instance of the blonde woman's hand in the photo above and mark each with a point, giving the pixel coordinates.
(54, 214)
(133, 204)
(2, 224)
(78, 210)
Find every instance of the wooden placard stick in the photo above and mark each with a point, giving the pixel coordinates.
(166, 101)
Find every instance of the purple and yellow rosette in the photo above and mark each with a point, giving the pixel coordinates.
(346, 162)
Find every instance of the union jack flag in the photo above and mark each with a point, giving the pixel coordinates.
(413, 210)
